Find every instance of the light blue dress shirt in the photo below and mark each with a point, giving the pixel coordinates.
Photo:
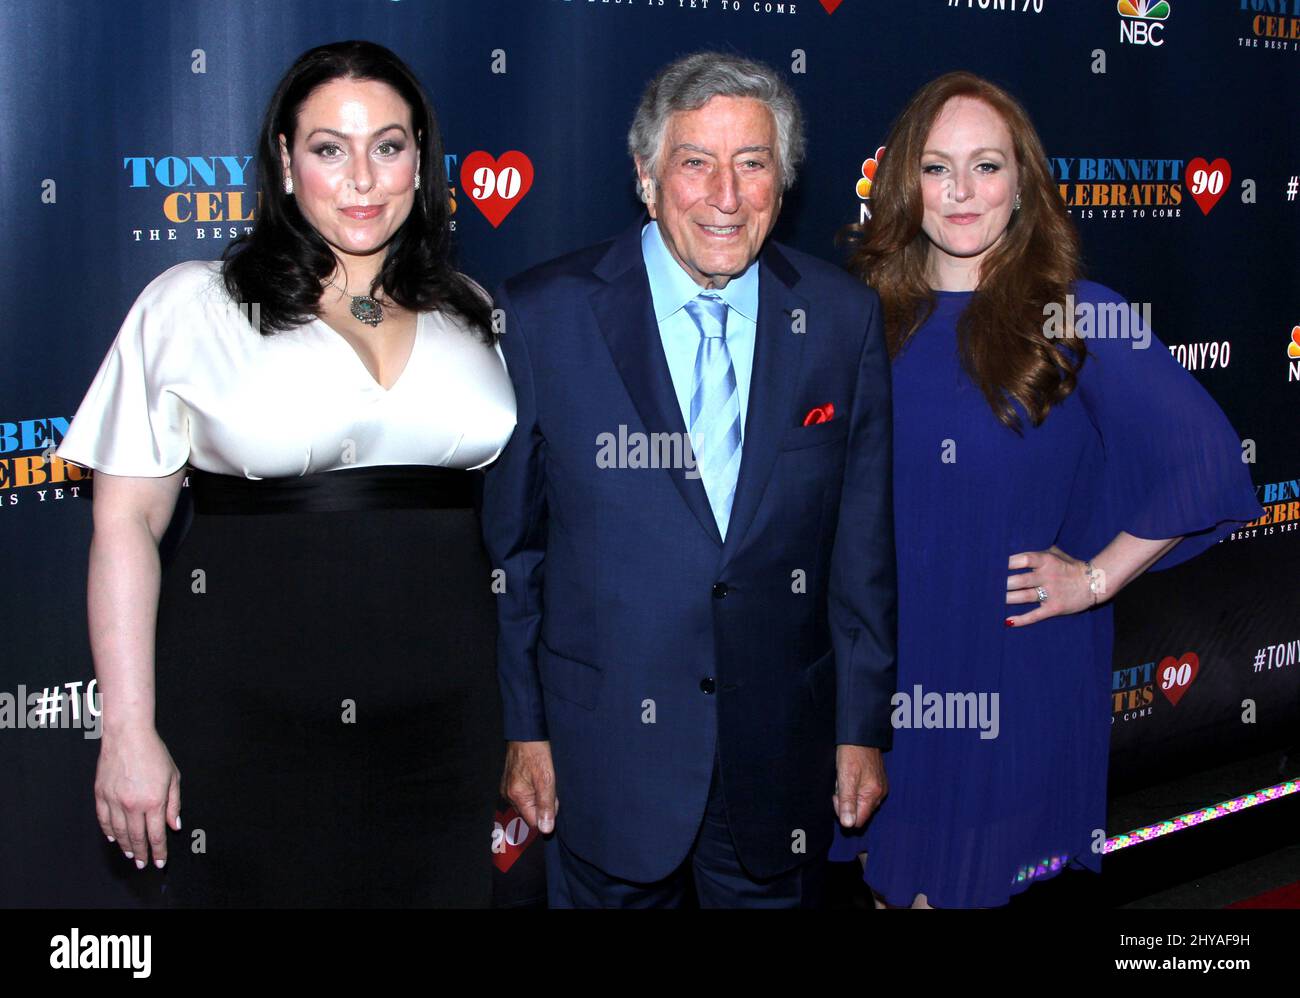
(670, 289)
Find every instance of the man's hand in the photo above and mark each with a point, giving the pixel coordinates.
(529, 783)
(860, 783)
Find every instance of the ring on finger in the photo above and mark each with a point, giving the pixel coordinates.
(1042, 594)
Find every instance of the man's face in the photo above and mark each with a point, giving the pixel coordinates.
(719, 187)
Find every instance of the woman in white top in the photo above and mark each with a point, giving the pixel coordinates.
(317, 658)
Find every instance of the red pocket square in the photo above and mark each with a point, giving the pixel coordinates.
(821, 414)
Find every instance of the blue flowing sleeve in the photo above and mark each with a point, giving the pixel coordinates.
(1170, 464)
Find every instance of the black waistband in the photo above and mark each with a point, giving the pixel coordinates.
(398, 486)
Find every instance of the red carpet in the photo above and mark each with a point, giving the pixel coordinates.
(1283, 897)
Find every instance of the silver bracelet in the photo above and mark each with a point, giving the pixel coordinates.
(1095, 577)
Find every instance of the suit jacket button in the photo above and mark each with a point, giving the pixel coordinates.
(707, 685)
(719, 590)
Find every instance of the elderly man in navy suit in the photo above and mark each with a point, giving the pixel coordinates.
(694, 520)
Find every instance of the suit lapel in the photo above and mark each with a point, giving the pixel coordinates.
(625, 313)
(778, 350)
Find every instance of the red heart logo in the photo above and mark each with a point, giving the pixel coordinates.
(1176, 675)
(1207, 181)
(830, 5)
(495, 185)
(511, 835)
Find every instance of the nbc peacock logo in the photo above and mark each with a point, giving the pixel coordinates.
(1293, 355)
(1142, 22)
(865, 182)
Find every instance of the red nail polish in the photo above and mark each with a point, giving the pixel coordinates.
(1010, 622)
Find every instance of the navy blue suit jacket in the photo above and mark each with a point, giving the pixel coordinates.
(631, 636)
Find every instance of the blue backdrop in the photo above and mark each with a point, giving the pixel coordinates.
(127, 135)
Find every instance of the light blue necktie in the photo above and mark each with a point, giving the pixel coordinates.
(715, 408)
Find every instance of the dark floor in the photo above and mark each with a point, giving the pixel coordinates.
(1230, 859)
(1213, 865)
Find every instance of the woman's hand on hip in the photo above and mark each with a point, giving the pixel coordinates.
(1057, 583)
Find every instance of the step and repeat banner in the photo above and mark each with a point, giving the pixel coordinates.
(128, 132)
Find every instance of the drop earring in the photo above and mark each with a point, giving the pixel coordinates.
(288, 185)
(1016, 207)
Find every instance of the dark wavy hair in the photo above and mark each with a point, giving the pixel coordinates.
(1000, 335)
(284, 261)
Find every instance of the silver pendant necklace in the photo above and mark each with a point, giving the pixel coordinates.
(364, 308)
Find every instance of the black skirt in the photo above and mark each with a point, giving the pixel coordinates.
(326, 686)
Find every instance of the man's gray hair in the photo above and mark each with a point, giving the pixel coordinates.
(691, 81)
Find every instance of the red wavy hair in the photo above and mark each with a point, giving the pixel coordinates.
(1001, 339)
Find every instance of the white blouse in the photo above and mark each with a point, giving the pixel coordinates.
(189, 380)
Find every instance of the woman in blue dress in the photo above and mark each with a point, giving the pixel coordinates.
(1048, 450)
